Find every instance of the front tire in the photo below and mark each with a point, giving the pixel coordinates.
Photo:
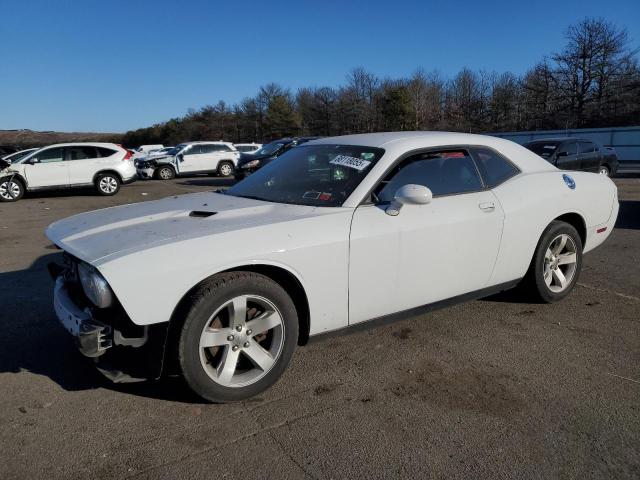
(107, 184)
(556, 264)
(165, 173)
(604, 170)
(11, 189)
(238, 337)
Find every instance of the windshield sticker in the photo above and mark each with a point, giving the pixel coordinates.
(351, 162)
(452, 155)
(551, 147)
(325, 197)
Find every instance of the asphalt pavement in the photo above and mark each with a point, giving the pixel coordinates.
(496, 388)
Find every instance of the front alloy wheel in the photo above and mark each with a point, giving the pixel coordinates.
(242, 341)
(604, 170)
(11, 190)
(238, 336)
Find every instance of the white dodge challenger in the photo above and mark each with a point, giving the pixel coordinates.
(221, 287)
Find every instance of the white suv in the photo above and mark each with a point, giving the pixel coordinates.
(220, 158)
(103, 165)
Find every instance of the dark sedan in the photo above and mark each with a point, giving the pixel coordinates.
(576, 154)
(250, 162)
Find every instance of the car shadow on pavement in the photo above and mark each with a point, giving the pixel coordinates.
(208, 181)
(66, 192)
(629, 215)
(32, 340)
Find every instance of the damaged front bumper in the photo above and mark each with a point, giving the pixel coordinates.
(92, 338)
(122, 351)
(146, 173)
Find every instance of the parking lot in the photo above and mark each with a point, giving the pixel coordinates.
(493, 388)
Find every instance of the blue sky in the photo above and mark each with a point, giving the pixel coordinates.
(112, 65)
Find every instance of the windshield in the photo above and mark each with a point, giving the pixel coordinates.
(314, 175)
(544, 149)
(270, 148)
(19, 156)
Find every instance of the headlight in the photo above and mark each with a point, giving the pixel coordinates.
(95, 286)
(251, 164)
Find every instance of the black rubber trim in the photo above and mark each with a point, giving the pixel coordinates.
(394, 317)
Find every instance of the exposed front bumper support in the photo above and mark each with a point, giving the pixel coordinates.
(93, 338)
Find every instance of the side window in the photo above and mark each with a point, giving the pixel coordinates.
(193, 150)
(444, 173)
(81, 153)
(224, 148)
(50, 155)
(493, 167)
(210, 148)
(105, 152)
(586, 147)
(570, 147)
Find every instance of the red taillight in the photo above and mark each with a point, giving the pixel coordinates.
(128, 155)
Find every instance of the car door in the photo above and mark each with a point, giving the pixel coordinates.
(47, 168)
(209, 157)
(427, 253)
(567, 156)
(83, 162)
(589, 156)
(190, 159)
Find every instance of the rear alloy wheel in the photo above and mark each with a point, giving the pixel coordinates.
(107, 184)
(225, 169)
(238, 337)
(165, 173)
(557, 262)
(604, 170)
(11, 190)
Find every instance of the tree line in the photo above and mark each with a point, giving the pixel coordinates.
(593, 81)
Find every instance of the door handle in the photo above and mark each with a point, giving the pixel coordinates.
(487, 207)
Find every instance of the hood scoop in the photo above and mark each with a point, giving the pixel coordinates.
(201, 214)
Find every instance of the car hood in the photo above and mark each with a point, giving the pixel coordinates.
(101, 235)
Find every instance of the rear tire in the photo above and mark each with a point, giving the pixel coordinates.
(556, 263)
(238, 337)
(226, 169)
(165, 172)
(11, 189)
(107, 184)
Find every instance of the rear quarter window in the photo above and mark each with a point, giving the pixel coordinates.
(494, 168)
(105, 152)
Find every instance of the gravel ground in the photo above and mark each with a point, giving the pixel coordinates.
(494, 388)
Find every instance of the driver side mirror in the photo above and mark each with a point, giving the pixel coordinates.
(33, 161)
(562, 154)
(180, 157)
(410, 194)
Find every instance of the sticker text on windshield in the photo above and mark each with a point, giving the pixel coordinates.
(351, 162)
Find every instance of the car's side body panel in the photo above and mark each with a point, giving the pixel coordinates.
(532, 201)
(425, 254)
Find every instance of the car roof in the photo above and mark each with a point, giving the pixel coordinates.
(396, 144)
(82, 144)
